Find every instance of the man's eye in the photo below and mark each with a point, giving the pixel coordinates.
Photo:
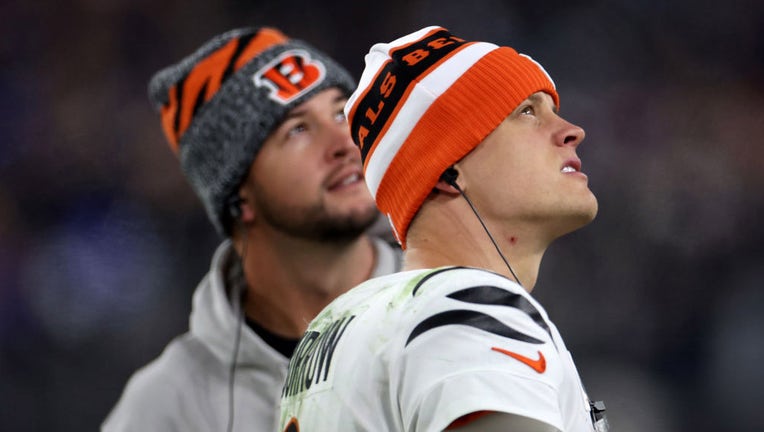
(528, 110)
(340, 117)
(297, 129)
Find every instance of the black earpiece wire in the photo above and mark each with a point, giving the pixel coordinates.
(237, 338)
(449, 176)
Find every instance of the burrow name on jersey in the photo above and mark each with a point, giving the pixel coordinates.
(313, 357)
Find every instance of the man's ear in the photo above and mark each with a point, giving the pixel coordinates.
(246, 210)
(244, 203)
(443, 186)
(447, 182)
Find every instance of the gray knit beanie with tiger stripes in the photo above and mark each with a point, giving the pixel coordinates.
(219, 104)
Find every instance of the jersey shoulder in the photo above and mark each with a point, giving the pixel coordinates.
(471, 335)
(477, 299)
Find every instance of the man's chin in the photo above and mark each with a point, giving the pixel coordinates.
(350, 225)
(572, 220)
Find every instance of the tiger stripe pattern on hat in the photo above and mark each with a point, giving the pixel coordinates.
(426, 100)
(206, 77)
(219, 104)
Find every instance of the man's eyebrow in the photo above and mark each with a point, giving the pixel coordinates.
(537, 98)
(297, 112)
(294, 113)
(341, 98)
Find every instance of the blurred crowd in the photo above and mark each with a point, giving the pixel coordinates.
(661, 299)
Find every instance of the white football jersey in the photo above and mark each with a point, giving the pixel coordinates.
(417, 350)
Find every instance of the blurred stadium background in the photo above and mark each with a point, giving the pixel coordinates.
(661, 299)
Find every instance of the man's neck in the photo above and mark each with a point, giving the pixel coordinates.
(454, 236)
(289, 282)
(525, 265)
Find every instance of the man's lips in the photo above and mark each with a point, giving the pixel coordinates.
(345, 179)
(571, 166)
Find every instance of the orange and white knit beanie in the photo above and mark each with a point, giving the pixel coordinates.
(425, 101)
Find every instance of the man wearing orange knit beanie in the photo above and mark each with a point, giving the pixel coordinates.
(465, 152)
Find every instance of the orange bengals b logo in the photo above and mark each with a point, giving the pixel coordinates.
(290, 75)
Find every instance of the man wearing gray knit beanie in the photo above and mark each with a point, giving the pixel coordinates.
(257, 121)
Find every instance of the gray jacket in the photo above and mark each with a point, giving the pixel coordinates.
(187, 387)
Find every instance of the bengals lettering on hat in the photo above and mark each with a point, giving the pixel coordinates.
(373, 103)
(289, 75)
